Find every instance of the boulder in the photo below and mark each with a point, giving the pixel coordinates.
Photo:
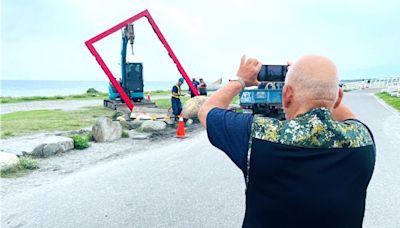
(192, 107)
(52, 145)
(151, 126)
(138, 135)
(169, 121)
(40, 145)
(123, 122)
(189, 122)
(105, 130)
(135, 124)
(7, 160)
(121, 119)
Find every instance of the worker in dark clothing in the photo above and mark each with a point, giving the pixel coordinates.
(196, 84)
(311, 170)
(176, 93)
(202, 88)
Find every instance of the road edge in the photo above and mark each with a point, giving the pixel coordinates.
(384, 104)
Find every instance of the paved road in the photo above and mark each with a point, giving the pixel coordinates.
(189, 184)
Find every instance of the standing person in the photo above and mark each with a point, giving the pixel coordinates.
(176, 103)
(202, 88)
(196, 84)
(311, 170)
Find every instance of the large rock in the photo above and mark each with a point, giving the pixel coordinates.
(39, 145)
(135, 124)
(139, 135)
(105, 130)
(151, 126)
(7, 160)
(192, 107)
(123, 122)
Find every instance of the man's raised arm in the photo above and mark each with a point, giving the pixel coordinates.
(247, 76)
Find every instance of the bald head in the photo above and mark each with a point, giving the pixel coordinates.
(314, 78)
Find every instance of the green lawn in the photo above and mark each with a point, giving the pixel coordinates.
(22, 122)
(50, 120)
(158, 93)
(392, 101)
(85, 96)
(165, 103)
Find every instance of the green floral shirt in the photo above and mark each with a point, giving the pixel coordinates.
(314, 129)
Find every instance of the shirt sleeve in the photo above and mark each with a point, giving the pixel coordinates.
(348, 121)
(230, 132)
(174, 89)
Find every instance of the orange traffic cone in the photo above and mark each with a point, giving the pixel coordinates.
(180, 132)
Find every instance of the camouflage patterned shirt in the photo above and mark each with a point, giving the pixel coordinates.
(231, 132)
(314, 129)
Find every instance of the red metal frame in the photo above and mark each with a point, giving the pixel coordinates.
(160, 36)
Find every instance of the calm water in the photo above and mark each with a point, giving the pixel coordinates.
(19, 88)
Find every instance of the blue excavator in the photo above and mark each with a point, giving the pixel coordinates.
(131, 76)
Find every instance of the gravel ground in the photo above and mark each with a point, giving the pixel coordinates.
(54, 167)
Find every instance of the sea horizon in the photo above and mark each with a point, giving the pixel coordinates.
(25, 88)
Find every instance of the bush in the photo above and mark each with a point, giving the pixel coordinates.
(89, 136)
(8, 134)
(24, 163)
(78, 96)
(80, 142)
(117, 114)
(27, 163)
(92, 90)
(124, 134)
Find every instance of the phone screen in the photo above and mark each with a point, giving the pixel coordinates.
(272, 73)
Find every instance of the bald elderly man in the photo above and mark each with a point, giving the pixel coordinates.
(310, 170)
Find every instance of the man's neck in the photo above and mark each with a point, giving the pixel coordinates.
(316, 104)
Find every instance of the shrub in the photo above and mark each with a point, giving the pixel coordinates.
(117, 114)
(80, 142)
(124, 134)
(92, 90)
(8, 134)
(89, 136)
(78, 96)
(24, 163)
(27, 163)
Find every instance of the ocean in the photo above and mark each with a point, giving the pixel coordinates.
(20, 88)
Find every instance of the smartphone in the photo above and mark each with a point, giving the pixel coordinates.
(273, 73)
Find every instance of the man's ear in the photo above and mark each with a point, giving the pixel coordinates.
(287, 96)
(339, 98)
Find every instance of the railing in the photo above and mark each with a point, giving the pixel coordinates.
(390, 85)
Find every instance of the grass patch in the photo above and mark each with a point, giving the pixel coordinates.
(8, 134)
(158, 93)
(124, 134)
(80, 142)
(24, 164)
(50, 120)
(89, 95)
(165, 103)
(390, 100)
